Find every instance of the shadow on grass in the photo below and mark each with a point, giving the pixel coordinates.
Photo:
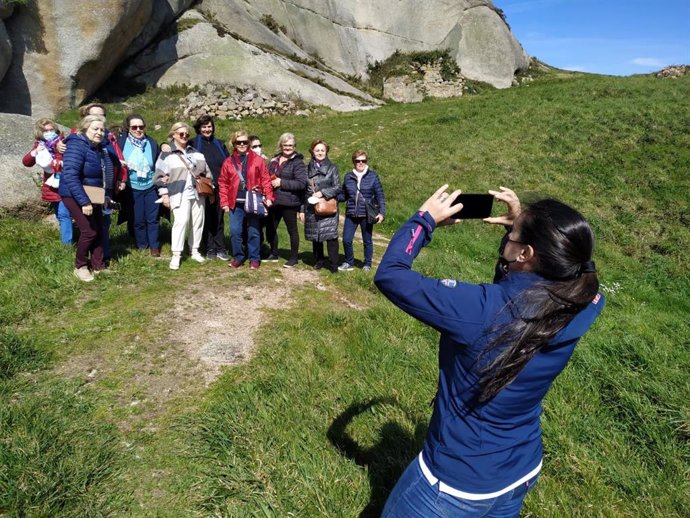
(386, 459)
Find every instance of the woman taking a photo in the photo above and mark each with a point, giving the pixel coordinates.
(241, 173)
(361, 186)
(323, 184)
(176, 178)
(501, 347)
(86, 163)
(289, 182)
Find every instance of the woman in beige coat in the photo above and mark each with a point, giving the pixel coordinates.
(176, 177)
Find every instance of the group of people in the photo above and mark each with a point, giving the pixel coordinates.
(502, 344)
(199, 180)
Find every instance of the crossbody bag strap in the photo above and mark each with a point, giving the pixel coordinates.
(239, 170)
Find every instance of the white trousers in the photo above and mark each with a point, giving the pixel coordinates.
(190, 210)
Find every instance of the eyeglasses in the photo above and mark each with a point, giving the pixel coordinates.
(241, 142)
(137, 127)
(256, 146)
(183, 134)
(516, 242)
(358, 161)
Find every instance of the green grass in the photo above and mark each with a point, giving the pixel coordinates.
(335, 403)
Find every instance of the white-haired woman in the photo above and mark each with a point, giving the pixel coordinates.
(176, 177)
(289, 181)
(86, 164)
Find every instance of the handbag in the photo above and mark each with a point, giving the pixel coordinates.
(96, 194)
(372, 212)
(254, 204)
(371, 209)
(204, 186)
(324, 207)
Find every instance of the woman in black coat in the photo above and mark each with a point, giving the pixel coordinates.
(289, 182)
(324, 184)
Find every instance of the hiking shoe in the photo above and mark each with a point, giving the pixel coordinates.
(222, 256)
(235, 263)
(366, 268)
(198, 257)
(318, 264)
(83, 274)
(345, 267)
(155, 252)
(273, 258)
(254, 265)
(211, 256)
(175, 262)
(291, 263)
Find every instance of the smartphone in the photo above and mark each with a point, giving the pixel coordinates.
(475, 206)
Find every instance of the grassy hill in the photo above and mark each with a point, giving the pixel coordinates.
(335, 403)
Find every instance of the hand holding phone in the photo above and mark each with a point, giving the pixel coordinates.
(474, 206)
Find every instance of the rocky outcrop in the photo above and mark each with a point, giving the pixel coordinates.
(349, 35)
(20, 185)
(201, 55)
(673, 71)
(5, 43)
(63, 52)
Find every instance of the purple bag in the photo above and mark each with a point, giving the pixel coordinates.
(254, 204)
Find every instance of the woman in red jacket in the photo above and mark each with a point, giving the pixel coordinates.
(46, 155)
(242, 173)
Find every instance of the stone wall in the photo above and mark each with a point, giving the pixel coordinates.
(413, 88)
(230, 103)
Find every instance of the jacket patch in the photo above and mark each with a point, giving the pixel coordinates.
(449, 283)
(596, 299)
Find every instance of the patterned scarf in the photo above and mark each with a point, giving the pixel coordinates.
(139, 143)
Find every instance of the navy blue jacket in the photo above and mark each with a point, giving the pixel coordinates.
(476, 448)
(371, 189)
(81, 166)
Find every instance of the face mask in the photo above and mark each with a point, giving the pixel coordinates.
(257, 150)
(504, 264)
(49, 135)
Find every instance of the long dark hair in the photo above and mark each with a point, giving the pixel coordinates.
(563, 242)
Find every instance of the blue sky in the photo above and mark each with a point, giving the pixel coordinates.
(619, 37)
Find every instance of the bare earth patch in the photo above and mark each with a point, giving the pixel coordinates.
(222, 331)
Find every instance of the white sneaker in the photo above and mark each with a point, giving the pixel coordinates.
(346, 267)
(198, 257)
(175, 262)
(83, 274)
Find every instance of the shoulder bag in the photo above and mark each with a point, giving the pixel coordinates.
(371, 209)
(202, 184)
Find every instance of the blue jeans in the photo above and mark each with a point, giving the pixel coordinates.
(65, 219)
(351, 225)
(414, 497)
(146, 223)
(237, 218)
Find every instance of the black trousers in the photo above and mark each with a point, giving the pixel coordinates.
(332, 247)
(213, 235)
(289, 215)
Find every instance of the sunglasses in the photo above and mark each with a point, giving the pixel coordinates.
(137, 127)
(288, 145)
(358, 161)
(256, 146)
(241, 142)
(183, 135)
